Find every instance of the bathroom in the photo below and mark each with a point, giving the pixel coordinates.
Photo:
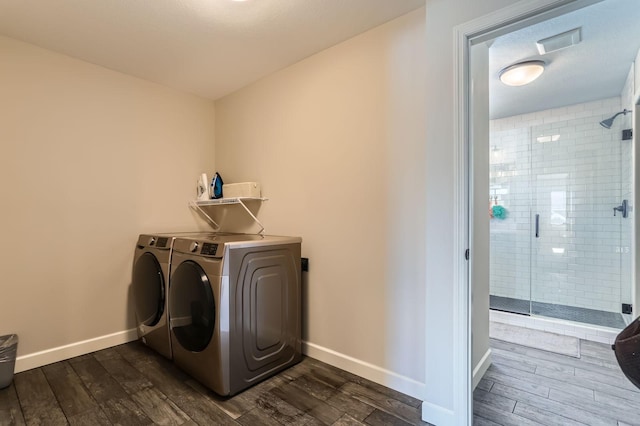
(561, 208)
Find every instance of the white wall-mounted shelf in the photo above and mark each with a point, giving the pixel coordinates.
(203, 206)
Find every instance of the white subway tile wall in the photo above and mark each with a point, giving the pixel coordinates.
(563, 166)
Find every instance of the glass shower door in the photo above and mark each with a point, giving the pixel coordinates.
(553, 253)
(510, 233)
(575, 262)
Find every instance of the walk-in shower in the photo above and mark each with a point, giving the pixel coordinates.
(560, 226)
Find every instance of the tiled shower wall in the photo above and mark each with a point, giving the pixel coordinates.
(572, 181)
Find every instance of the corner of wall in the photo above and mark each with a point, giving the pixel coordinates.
(437, 415)
(364, 369)
(481, 368)
(637, 76)
(628, 94)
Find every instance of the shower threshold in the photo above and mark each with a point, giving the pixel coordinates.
(569, 313)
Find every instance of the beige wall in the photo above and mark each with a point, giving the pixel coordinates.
(90, 159)
(337, 142)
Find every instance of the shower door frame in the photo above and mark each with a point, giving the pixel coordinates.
(635, 229)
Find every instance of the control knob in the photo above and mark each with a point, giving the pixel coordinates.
(194, 247)
(152, 241)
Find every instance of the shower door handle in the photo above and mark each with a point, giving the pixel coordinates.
(537, 226)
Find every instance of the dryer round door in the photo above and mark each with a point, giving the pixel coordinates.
(192, 306)
(148, 289)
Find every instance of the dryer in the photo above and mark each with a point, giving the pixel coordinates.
(235, 303)
(150, 288)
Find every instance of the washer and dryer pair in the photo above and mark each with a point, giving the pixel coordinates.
(232, 313)
(150, 286)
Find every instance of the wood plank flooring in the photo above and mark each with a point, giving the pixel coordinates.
(132, 385)
(526, 386)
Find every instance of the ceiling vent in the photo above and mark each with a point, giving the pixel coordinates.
(559, 41)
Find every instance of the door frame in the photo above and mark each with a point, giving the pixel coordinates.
(518, 15)
(635, 228)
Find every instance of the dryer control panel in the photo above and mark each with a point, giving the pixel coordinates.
(209, 249)
(194, 247)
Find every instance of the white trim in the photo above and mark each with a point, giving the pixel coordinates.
(437, 415)
(508, 17)
(462, 397)
(514, 16)
(481, 368)
(364, 369)
(49, 356)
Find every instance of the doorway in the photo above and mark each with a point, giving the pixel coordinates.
(561, 166)
(549, 189)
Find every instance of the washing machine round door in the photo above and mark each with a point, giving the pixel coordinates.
(148, 289)
(192, 306)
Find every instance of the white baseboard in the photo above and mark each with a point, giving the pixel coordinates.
(364, 369)
(481, 368)
(49, 356)
(436, 415)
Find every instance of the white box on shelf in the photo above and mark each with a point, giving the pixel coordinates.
(242, 189)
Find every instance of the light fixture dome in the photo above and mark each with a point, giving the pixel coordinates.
(521, 73)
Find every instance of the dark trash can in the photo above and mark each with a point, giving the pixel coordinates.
(627, 350)
(8, 350)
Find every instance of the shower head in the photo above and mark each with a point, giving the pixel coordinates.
(609, 121)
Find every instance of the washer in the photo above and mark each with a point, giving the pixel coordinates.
(235, 308)
(150, 287)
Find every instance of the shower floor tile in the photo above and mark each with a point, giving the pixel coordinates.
(508, 304)
(570, 313)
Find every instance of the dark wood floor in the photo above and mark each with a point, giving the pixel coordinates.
(131, 385)
(527, 386)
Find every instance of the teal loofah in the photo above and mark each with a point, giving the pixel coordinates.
(499, 212)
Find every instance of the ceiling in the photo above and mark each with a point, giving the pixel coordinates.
(207, 47)
(214, 47)
(594, 69)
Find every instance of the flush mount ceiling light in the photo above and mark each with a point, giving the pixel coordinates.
(521, 73)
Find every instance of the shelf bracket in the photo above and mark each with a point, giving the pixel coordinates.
(261, 231)
(213, 223)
